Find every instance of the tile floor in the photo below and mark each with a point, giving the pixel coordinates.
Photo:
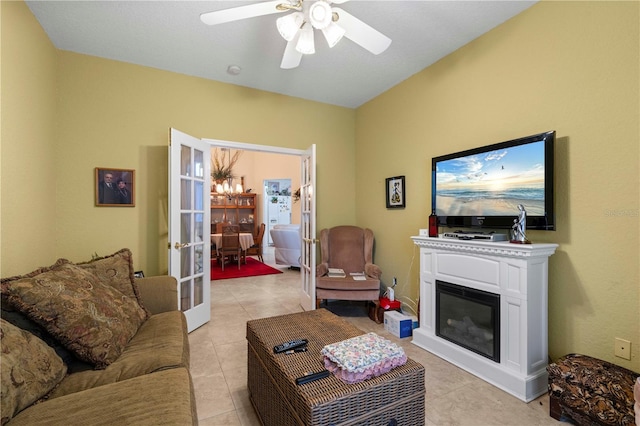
(219, 361)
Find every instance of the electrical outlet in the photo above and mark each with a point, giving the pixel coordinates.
(623, 348)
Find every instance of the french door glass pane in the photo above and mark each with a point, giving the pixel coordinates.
(199, 227)
(199, 201)
(185, 161)
(185, 194)
(198, 160)
(185, 227)
(185, 262)
(185, 295)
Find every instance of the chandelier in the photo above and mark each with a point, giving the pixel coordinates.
(222, 173)
(227, 188)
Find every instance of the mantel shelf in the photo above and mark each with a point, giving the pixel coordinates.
(501, 248)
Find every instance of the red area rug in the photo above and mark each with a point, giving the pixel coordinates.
(251, 269)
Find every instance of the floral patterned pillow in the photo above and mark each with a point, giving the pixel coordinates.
(117, 271)
(30, 369)
(92, 319)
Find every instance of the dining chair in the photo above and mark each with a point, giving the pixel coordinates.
(256, 248)
(230, 244)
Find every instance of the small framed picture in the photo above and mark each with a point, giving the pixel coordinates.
(273, 188)
(115, 187)
(395, 192)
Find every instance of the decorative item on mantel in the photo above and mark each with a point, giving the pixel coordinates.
(518, 230)
(222, 174)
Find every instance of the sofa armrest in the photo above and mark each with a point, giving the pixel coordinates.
(159, 294)
(372, 270)
(322, 269)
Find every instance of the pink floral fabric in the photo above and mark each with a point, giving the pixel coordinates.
(363, 357)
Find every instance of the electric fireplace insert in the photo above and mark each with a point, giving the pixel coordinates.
(469, 318)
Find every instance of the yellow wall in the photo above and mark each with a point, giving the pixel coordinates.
(256, 167)
(570, 67)
(28, 173)
(117, 115)
(114, 114)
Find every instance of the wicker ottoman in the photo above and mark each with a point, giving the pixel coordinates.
(397, 395)
(590, 391)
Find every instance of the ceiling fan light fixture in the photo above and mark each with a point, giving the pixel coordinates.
(306, 44)
(320, 14)
(333, 33)
(289, 25)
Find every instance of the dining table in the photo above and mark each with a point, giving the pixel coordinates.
(246, 240)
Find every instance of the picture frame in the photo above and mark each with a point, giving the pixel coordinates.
(273, 188)
(395, 192)
(115, 187)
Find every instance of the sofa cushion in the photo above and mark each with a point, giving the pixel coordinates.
(30, 369)
(90, 318)
(162, 398)
(117, 271)
(22, 321)
(160, 343)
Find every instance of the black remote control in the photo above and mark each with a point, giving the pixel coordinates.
(312, 377)
(292, 344)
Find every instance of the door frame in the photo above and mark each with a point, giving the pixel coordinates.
(301, 154)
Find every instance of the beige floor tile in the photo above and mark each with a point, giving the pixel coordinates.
(232, 356)
(248, 417)
(230, 418)
(219, 361)
(212, 395)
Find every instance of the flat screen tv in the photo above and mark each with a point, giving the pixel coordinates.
(482, 187)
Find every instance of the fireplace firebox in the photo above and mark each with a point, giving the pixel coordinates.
(469, 318)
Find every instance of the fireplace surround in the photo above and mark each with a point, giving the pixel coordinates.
(516, 274)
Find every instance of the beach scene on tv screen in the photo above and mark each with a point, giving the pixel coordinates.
(492, 183)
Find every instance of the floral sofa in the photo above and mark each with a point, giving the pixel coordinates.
(89, 344)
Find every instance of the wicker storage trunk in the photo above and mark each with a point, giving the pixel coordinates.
(397, 395)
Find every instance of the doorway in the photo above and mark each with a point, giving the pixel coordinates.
(306, 160)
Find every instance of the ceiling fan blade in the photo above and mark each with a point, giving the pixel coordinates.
(242, 12)
(291, 58)
(359, 32)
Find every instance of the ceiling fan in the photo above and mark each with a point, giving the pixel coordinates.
(297, 27)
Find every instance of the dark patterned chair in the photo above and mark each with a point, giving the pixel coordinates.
(589, 391)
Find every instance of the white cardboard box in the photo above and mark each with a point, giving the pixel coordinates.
(398, 324)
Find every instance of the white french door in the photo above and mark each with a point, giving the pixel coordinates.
(308, 229)
(189, 225)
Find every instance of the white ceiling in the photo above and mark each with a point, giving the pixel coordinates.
(169, 35)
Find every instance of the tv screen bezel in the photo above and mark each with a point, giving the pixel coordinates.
(547, 222)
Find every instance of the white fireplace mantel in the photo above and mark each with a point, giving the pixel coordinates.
(516, 272)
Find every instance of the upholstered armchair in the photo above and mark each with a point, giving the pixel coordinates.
(349, 248)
